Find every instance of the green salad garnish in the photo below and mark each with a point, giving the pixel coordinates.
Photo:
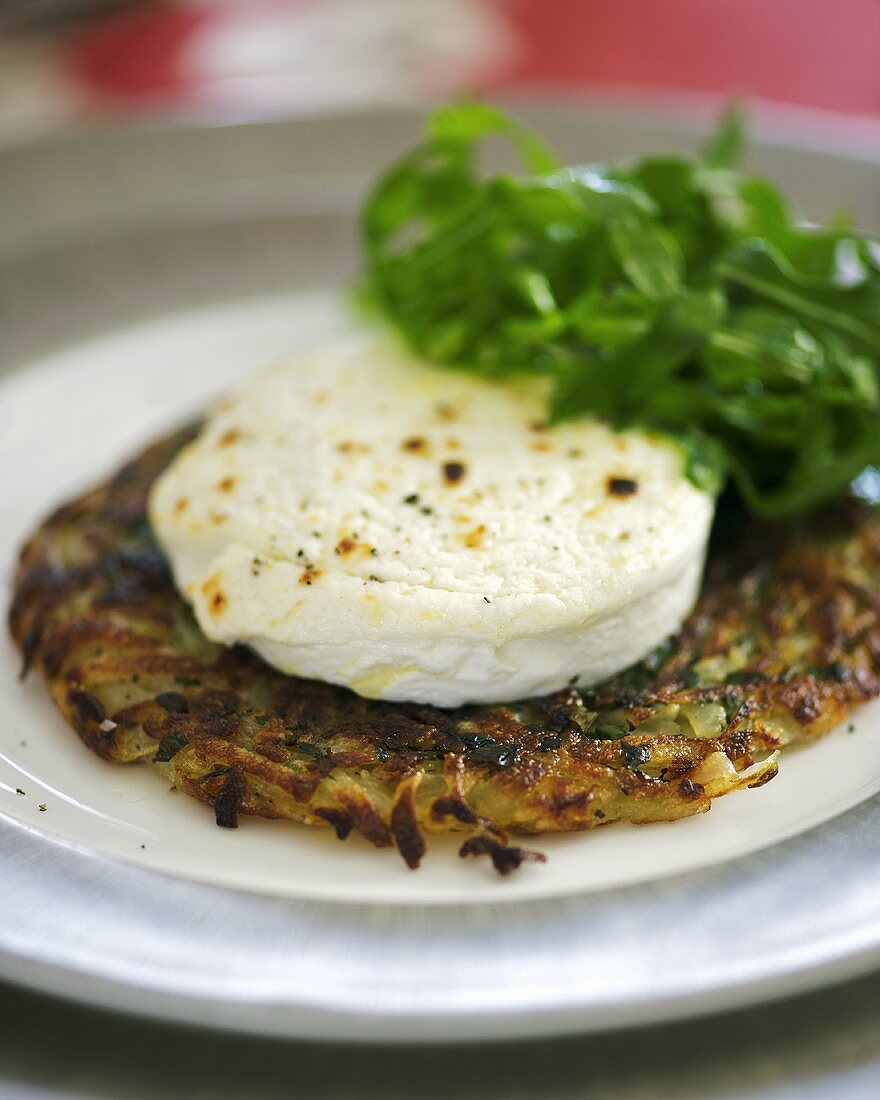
(668, 292)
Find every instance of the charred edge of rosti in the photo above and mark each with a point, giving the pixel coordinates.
(228, 799)
(365, 817)
(340, 821)
(30, 645)
(453, 805)
(405, 826)
(505, 857)
(91, 721)
(129, 573)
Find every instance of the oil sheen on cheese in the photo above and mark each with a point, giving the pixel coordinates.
(358, 517)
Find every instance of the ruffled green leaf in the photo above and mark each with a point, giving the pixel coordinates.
(672, 293)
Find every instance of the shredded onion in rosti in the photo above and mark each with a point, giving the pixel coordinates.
(718, 774)
(704, 719)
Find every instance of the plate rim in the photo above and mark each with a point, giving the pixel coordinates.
(69, 974)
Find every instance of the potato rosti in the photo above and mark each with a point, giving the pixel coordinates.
(782, 643)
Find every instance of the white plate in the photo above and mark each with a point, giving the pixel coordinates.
(132, 385)
(480, 970)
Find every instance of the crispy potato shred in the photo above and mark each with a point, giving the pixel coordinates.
(784, 641)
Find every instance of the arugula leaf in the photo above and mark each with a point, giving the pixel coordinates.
(611, 319)
(669, 292)
(727, 145)
(769, 276)
(647, 254)
(464, 124)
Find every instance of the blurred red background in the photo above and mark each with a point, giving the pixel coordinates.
(84, 56)
(820, 53)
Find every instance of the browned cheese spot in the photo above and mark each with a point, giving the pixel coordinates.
(622, 486)
(232, 435)
(416, 444)
(215, 595)
(542, 445)
(226, 484)
(453, 472)
(475, 538)
(309, 576)
(181, 505)
(350, 544)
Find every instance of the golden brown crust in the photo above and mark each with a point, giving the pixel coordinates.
(784, 641)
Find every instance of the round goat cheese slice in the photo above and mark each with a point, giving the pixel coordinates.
(357, 516)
